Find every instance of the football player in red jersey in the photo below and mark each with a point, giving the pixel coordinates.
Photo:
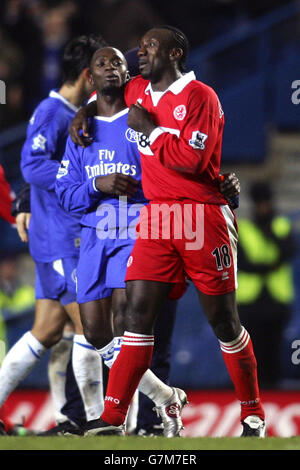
(188, 227)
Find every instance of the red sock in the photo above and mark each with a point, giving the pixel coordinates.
(241, 364)
(124, 376)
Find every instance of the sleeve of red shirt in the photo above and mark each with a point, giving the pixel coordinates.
(192, 150)
(6, 198)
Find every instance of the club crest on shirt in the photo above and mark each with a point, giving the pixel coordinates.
(131, 135)
(129, 262)
(179, 112)
(197, 140)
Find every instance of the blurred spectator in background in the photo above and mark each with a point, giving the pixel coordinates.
(33, 34)
(11, 69)
(265, 292)
(122, 23)
(15, 296)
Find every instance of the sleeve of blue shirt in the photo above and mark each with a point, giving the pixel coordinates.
(74, 193)
(38, 163)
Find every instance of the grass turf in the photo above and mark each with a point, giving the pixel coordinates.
(139, 443)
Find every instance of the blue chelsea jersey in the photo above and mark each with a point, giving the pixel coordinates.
(113, 150)
(53, 232)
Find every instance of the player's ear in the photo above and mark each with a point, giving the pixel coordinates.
(88, 76)
(127, 76)
(175, 54)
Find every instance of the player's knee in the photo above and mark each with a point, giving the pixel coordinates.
(48, 338)
(96, 337)
(226, 329)
(139, 317)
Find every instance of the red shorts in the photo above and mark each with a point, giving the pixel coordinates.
(184, 239)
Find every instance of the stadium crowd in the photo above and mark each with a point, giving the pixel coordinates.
(33, 34)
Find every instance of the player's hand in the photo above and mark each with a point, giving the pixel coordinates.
(140, 120)
(80, 122)
(229, 185)
(117, 184)
(22, 221)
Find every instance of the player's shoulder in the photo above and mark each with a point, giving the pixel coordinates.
(136, 86)
(50, 111)
(200, 90)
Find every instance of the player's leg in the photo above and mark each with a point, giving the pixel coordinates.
(238, 354)
(87, 367)
(213, 268)
(47, 329)
(57, 371)
(156, 391)
(149, 422)
(144, 300)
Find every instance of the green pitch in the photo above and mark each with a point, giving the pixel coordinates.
(140, 443)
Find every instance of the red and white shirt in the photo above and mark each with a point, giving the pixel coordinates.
(181, 158)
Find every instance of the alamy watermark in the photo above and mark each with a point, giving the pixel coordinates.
(296, 354)
(296, 94)
(157, 221)
(2, 92)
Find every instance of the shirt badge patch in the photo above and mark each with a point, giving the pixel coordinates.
(197, 140)
(179, 112)
(39, 142)
(63, 169)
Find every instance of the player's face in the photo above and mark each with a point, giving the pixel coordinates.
(108, 69)
(154, 54)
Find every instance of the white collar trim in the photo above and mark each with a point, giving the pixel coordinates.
(177, 86)
(114, 117)
(54, 94)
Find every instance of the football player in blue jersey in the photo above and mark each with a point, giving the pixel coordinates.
(54, 239)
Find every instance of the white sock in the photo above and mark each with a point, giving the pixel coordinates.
(87, 367)
(154, 388)
(18, 362)
(149, 384)
(107, 354)
(57, 371)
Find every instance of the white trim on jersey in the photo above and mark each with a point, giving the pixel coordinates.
(54, 94)
(160, 130)
(114, 117)
(233, 236)
(176, 87)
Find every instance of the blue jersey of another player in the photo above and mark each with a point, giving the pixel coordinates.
(53, 233)
(113, 150)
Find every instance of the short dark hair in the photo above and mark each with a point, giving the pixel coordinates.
(178, 39)
(78, 54)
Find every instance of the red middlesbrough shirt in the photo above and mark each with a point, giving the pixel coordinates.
(181, 158)
(6, 198)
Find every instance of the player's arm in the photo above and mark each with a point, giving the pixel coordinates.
(77, 195)
(191, 151)
(81, 123)
(21, 203)
(21, 211)
(37, 163)
(74, 194)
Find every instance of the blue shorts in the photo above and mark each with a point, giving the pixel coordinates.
(57, 280)
(102, 265)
